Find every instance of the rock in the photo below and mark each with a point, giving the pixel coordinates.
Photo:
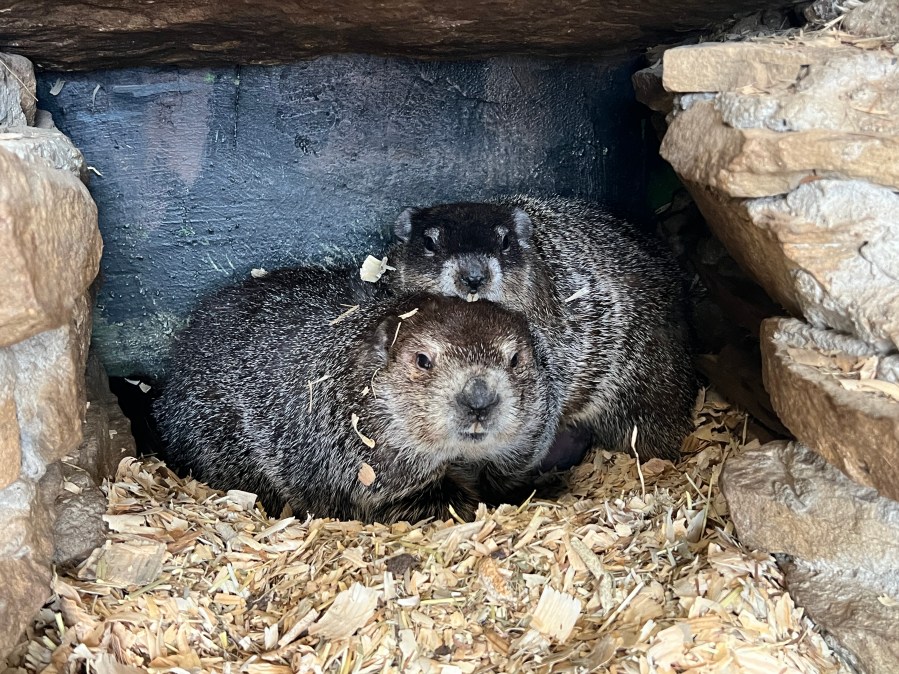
(840, 242)
(25, 552)
(649, 90)
(863, 621)
(49, 389)
(747, 162)
(18, 94)
(43, 146)
(855, 91)
(77, 34)
(855, 430)
(107, 431)
(841, 539)
(49, 247)
(729, 66)
(875, 18)
(828, 251)
(10, 445)
(78, 528)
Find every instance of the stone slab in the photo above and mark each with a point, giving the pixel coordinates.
(875, 18)
(840, 240)
(728, 66)
(838, 542)
(10, 445)
(856, 431)
(18, 95)
(48, 389)
(50, 247)
(43, 146)
(748, 162)
(25, 550)
(78, 34)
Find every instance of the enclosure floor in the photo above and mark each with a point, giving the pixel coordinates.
(633, 571)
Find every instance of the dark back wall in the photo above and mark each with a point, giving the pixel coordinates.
(207, 174)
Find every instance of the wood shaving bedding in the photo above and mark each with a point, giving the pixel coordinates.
(611, 578)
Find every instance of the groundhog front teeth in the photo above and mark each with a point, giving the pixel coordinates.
(472, 297)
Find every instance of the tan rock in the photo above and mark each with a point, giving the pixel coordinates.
(49, 247)
(49, 393)
(25, 550)
(43, 146)
(18, 91)
(649, 90)
(854, 91)
(839, 542)
(728, 66)
(875, 18)
(749, 162)
(855, 430)
(10, 447)
(828, 251)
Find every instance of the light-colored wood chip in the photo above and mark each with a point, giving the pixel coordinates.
(351, 610)
(366, 475)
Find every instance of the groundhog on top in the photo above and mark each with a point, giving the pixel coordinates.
(301, 387)
(608, 301)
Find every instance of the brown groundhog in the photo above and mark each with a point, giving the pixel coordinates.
(608, 301)
(396, 410)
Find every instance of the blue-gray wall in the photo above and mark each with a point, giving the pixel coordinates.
(207, 174)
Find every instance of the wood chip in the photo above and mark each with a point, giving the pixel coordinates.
(354, 419)
(556, 614)
(351, 610)
(366, 474)
(373, 269)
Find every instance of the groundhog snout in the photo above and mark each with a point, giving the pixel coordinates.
(477, 398)
(473, 280)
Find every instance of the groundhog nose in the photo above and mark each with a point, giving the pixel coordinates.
(473, 280)
(477, 395)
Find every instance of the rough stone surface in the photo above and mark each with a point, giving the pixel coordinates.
(862, 628)
(840, 541)
(875, 18)
(76, 34)
(43, 146)
(78, 527)
(107, 432)
(10, 446)
(728, 66)
(856, 431)
(25, 550)
(80, 506)
(49, 389)
(18, 97)
(650, 91)
(756, 162)
(208, 174)
(49, 247)
(828, 251)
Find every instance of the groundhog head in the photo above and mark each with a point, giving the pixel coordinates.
(468, 250)
(461, 381)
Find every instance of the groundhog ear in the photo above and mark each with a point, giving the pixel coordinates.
(402, 228)
(523, 225)
(382, 338)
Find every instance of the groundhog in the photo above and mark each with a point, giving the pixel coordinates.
(308, 390)
(609, 302)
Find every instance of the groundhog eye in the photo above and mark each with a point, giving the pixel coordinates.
(430, 244)
(506, 243)
(423, 361)
(514, 361)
